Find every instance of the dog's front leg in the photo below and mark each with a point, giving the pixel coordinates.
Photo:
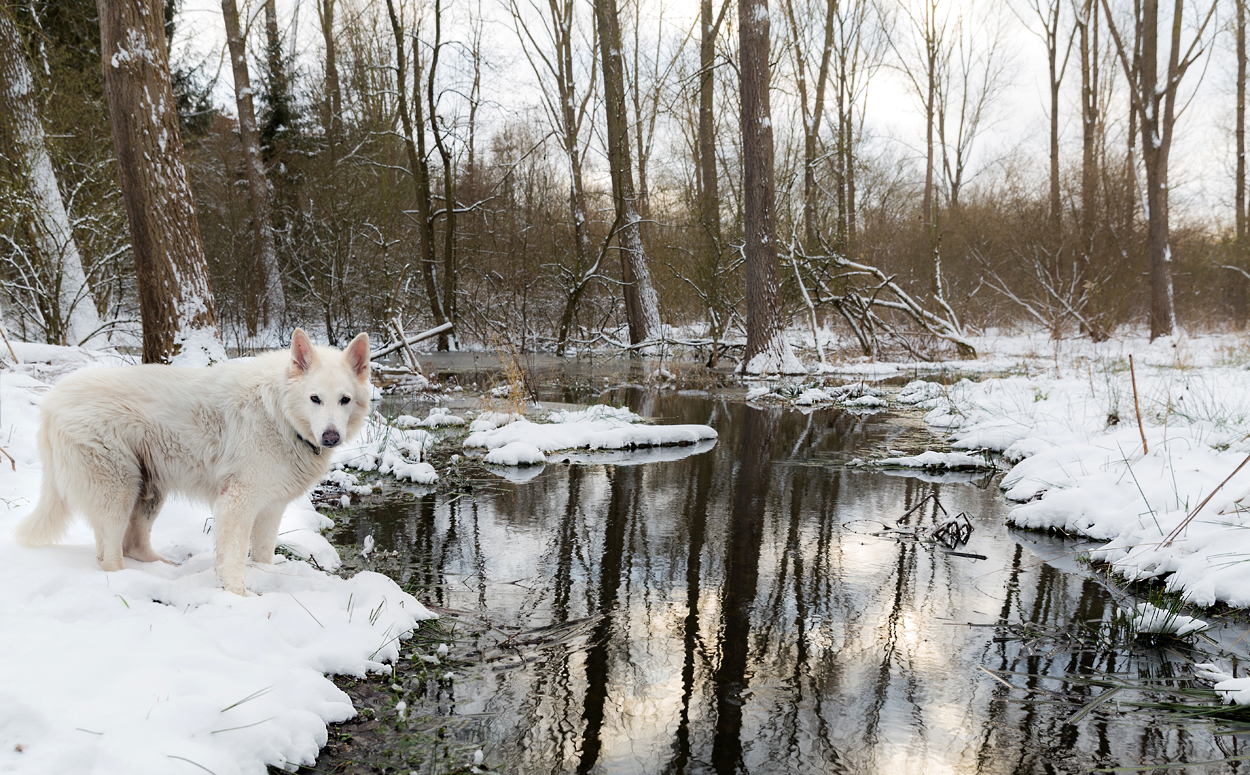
(265, 533)
(236, 510)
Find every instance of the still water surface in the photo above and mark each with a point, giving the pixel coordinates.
(746, 609)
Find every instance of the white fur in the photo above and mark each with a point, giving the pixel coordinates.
(115, 442)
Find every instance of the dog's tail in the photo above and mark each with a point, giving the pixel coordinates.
(48, 522)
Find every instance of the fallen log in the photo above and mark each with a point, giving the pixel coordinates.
(421, 337)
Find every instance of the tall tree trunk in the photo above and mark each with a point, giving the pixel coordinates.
(1052, 56)
(767, 349)
(642, 305)
(272, 298)
(73, 317)
(930, 119)
(414, 147)
(1240, 196)
(707, 174)
(1087, 28)
(332, 108)
(449, 186)
(1154, 105)
(1155, 161)
(175, 299)
(848, 171)
(570, 132)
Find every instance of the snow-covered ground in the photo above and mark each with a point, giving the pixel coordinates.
(1064, 414)
(155, 669)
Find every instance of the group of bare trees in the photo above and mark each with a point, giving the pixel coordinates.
(642, 178)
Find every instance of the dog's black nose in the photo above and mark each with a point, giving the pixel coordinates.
(330, 439)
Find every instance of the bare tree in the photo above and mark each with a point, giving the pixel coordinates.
(648, 78)
(859, 45)
(549, 48)
(272, 297)
(413, 124)
(68, 310)
(923, 56)
(767, 350)
(976, 76)
(1087, 29)
(175, 299)
(440, 131)
(811, 46)
(332, 106)
(1154, 104)
(1048, 14)
(1239, 200)
(642, 304)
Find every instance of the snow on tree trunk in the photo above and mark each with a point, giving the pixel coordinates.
(75, 317)
(642, 304)
(272, 298)
(175, 299)
(767, 349)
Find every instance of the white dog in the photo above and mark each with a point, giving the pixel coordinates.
(245, 436)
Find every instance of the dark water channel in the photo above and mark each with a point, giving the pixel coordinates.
(744, 609)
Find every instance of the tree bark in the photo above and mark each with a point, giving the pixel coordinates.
(1240, 196)
(1155, 159)
(449, 186)
(414, 147)
(1087, 29)
(642, 306)
(175, 299)
(1056, 76)
(272, 297)
(708, 186)
(767, 349)
(71, 316)
(332, 107)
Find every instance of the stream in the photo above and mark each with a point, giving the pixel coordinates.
(756, 606)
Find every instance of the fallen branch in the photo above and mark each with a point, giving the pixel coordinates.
(421, 337)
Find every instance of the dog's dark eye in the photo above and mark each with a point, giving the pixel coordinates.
(316, 399)
(345, 400)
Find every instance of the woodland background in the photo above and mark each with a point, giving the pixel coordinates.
(402, 187)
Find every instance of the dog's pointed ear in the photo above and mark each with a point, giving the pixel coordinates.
(358, 355)
(302, 353)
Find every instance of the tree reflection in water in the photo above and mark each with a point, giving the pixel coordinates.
(736, 611)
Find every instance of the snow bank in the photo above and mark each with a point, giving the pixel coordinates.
(597, 427)
(938, 461)
(388, 449)
(155, 669)
(516, 453)
(1082, 468)
(439, 417)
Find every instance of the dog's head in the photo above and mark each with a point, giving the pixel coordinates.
(329, 389)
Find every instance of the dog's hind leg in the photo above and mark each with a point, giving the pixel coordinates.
(107, 491)
(109, 519)
(265, 533)
(137, 543)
